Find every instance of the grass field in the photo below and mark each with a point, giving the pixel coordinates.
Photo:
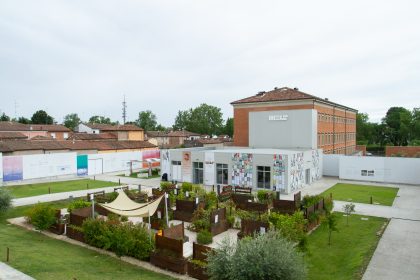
(350, 251)
(20, 191)
(362, 193)
(45, 258)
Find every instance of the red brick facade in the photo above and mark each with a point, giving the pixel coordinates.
(336, 124)
(402, 151)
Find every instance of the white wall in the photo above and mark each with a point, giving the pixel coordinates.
(385, 169)
(1, 168)
(113, 162)
(49, 165)
(331, 165)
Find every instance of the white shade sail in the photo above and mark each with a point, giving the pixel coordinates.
(124, 206)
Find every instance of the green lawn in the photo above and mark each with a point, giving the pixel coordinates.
(362, 193)
(134, 175)
(20, 191)
(350, 251)
(45, 258)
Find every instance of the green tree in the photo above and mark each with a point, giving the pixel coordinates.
(398, 121)
(71, 121)
(4, 118)
(348, 209)
(147, 120)
(23, 120)
(182, 120)
(160, 127)
(331, 222)
(100, 120)
(415, 126)
(41, 117)
(277, 259)
(229, 127)
(206, 119)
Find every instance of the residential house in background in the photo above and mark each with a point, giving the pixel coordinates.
(171, 139)
(122, 132)
(54, 131)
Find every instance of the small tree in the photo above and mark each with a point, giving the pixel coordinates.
(331, 223)
(348, 209)
(41, 117)
(5, 201)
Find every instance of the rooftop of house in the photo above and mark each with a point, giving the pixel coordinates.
(93, 137)
(45, 145)
(117, 127)
(12, 135)
(285, 94)
(15, 126)
(175, 133)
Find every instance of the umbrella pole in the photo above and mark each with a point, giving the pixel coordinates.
(150, 225)
(166, 207)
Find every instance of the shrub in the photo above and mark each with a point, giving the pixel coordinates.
(165, 185)
(122, 239)
(291, 227)
(264, 196)
(277, 259)
(309, 200)
(211, 200)
(77, 204)
(200, 220)
(5, 200)
(186, 187)
(41, 216)
(204, 237)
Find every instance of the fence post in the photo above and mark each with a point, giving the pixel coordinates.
(49, 190)
(218, 189)
(7, 254)
(119, 182)
(139, 187)
(371, 200)
(87, 186)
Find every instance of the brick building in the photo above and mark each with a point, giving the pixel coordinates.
(286, 118)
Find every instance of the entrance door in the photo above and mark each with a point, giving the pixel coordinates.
(308, 176)
(176, 171)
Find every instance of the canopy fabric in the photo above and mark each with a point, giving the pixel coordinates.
(123, 202)
(146, 210)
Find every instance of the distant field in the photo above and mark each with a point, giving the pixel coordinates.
(20, 191)
(362, 193)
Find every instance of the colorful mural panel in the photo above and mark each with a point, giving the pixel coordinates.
(82, 165)
(150, 154)
(316, 175)
(186, 166)
(279, 169)
(242, 169)
(12, 168)
(296, 171)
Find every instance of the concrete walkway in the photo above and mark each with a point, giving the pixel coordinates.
(9, 273)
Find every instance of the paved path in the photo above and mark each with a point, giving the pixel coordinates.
(9, 273)
(147, 185)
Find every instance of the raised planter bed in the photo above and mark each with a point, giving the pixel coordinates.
(197, 271)
(178, 265)
(250, 227)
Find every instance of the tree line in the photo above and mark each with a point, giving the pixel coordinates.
(399, 127)
(204, 119)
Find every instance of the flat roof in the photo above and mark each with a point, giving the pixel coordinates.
(248, 150)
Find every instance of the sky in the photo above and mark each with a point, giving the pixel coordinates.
(165, 56)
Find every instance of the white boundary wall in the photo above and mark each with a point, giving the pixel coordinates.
(49, 165)
(1, 168)
(331, 165)
(373, 169)
(113, 162)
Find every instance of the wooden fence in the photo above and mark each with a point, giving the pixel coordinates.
(221, 225)
(251, 227)
(169, 254)
(185, 209)
(199, 253)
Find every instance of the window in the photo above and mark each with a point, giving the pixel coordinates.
(198, 172)
(66, 135)
(174, 162)
(53, 135)
(371, 173)
(364, 172)
(263, 177)
(222, 173)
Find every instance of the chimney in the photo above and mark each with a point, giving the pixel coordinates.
(295, 88)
